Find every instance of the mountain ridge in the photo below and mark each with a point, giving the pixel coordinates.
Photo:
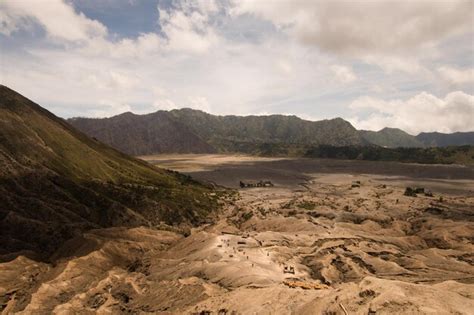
(195, 131)
(446, 139)
(391, 137)
(206, 133)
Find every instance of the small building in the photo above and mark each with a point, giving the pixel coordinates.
(412, 192)
(252, 184)
(289, 269)
(355, 184)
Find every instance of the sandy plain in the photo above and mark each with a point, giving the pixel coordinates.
(312, 244)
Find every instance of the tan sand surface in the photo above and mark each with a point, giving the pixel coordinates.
(364, 250)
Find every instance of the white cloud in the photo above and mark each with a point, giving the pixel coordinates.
(144, 45)
(109, 108)
(58, 19)
(164, 104)
(391, 64)
(284, 66)
(423, 112)
(123, 81)
(199, 102)
(10, 24)
(111, 80)
(187, 28)
(343, 74)
(456, 76)
(388, 33)
(222, 57)
(367, 26)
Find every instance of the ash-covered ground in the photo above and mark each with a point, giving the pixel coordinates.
(330, 237)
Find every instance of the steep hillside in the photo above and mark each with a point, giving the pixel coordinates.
(437, 139)
(391, 138)
(56, 182)
(145, 134)
(228, 132)
(193, 131)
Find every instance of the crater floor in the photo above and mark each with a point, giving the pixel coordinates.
(316, 243)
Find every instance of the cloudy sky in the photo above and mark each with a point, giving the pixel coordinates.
(405, 64)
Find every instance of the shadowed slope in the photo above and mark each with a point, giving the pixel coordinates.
(146, 134)
(56, 182)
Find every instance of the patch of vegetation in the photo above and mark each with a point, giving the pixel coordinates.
(247, 216)
(440, 155)
(308, 205)
(289, 204)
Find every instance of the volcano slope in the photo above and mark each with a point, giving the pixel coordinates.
(56, 182)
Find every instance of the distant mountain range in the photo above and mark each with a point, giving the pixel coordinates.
(194, 131)
(393, 138)
(56, 182)
(437, 139)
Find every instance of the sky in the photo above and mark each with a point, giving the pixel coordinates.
(401, 64)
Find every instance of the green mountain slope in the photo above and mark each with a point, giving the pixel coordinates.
(193, 131)
(144, 134)
(224, 132)
(56, 182)
(391, 138)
